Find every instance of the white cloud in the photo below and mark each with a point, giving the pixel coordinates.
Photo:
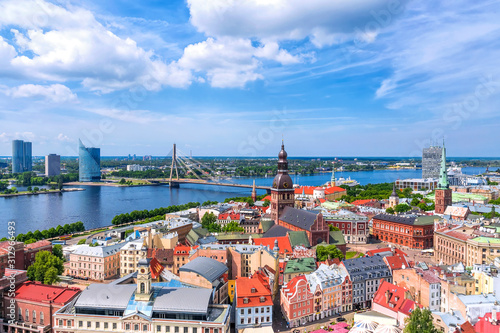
(323, 21)
(63, 138)
(57, 93)
(70, 44)
(132, 116)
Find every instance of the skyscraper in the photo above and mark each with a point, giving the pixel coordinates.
(22, 159)
(52, 165)
(431, 160)
(443, 194)
(89, 163)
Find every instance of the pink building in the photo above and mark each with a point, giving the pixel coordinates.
(297, 301)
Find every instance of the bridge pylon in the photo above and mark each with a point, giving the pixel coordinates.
(174, 165)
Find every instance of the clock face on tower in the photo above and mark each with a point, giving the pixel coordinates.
(143, 270)
(285, 185)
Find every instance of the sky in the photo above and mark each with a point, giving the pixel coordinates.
(235, 77)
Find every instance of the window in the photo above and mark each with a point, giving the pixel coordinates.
(114, 326)
(61, 323)
(176, 329)
(90, 324)
(195, 329)
(41, 318)
(27, 315)
(34, 316)
(216, 330)
(257, 310)
(242, 321)
(105, 325)
(145, 327)
(80, 323)
(185, 330)
(136, 327)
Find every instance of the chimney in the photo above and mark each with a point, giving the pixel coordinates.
(494, 315)
(387, 296)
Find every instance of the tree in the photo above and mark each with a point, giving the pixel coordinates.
(232, 226)
(407, 192)
(122, 181)
(415, 201)
(29, 189)
(58, 251)
(3, 186)
(401, 208)
(207, 219)
(36, 189)
(266, 203)
(82, 241)
(60, 183)
(46, 268)
(328, 252)
(333, 228)
(420, 321)
(389, 210)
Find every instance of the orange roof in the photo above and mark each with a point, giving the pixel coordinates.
(283, 243)
(267, 197)
(361, 202)
(334, 189)
(397, 262)
(40, 243)
(307, 190)
(156, 268)
(252, 292)
(291, 287)
(183, 250)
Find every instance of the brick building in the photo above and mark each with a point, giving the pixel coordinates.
(424, 286)
(353, 226)
(311, 222)
(282, 192)
(30, 251)
(35, 305)
(410, 231)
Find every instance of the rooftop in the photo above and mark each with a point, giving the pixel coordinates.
(252, 292)
(283, 243)
(297, 217)
(37, 292)
(209, 268)
(408, 220)
(300, 265)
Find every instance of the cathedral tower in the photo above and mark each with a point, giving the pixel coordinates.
(443, 196)
(282, 192)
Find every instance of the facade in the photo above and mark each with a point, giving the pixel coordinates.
(89, 163)
(35, 305)
(443, 194)
(130, 254)
(52, 165)
(30, 251)
(431, 159)
(423, 286)
(254, 303)
(393, 301)
(94, 263)
(282, 192)
(225, 218)
(22, 159)
(296, 301)
(366, 275)
(143, 306)
(413, 232)
(354, 227)
(450, 244)
(181, 257)
(417, 184)
(327, 285)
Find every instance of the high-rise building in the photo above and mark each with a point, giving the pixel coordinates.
(431, 161)
(443, 194)
(52, 165)
(282, 192)
(89, 163)
(22, 159)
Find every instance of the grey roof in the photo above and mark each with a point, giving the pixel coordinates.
(366, 268)
(303, 219)
(276, 231)
(190, 300)
(99, 251)
(209, 268)
(106, 296)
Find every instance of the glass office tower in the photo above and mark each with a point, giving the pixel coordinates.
(89, 163)
(22, 159)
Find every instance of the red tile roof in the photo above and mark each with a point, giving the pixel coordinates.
(37, 292)
(468, 328)
(40, 243)
(362, 202)
(396, 262)
(267, 197)
(395, 295)
(231, 215)
(458, 235)
(283, 243)
(183, 250)
(334, 189)
(253, 292)
(484, 325)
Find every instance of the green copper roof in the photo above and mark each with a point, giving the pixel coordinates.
(337, 238)
(425, 220)
(490, 240)
(266, 225)
(302, 265)
(298, 238)
(443, 173)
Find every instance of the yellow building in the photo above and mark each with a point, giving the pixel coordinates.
(230, 290)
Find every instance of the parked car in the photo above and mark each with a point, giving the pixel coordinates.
(339, 319)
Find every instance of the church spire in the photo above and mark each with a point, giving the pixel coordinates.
(332, 180)
(443, 173)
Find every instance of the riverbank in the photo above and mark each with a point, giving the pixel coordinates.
(41, 192)
(111, 184)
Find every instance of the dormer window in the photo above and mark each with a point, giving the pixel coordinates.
(245, 300)
(253, 290)
(262, 299)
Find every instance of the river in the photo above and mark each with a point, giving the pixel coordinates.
(97, 205)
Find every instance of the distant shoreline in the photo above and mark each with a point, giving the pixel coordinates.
(106, 184)
(41, 192)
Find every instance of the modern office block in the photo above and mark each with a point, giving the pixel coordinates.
(52, 165)
(22, 159)
(431, 162)
(89, 163)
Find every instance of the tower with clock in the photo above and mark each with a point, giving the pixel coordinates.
(282, 191)
(143, 292)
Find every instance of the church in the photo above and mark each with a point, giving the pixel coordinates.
(283, 212)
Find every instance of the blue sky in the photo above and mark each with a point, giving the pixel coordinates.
(227, 77)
